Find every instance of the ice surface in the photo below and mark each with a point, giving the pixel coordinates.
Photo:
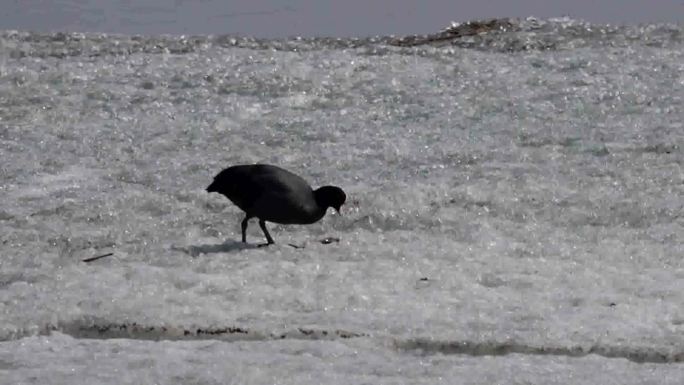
(125, 361)
(514, 213)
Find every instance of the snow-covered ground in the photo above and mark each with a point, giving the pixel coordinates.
(514, 214)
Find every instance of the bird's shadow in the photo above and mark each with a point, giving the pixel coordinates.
(232, 246)
(225, 247)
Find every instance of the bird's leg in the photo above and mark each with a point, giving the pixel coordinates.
(262, 224)
(244, 228)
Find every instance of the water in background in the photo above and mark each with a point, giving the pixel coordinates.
(515, 207)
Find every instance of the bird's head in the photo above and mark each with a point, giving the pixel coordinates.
(330, 196)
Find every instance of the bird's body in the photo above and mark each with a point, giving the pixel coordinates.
(273, 194)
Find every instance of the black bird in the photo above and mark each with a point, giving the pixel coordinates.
(273, 194)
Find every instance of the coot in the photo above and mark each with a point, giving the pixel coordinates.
(273, 194)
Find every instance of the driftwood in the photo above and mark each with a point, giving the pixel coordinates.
(454, 32)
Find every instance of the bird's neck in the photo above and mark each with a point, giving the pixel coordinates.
(320, 200)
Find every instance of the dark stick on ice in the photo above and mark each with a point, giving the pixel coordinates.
(270, 193)
(329, 240)
(98, 257)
